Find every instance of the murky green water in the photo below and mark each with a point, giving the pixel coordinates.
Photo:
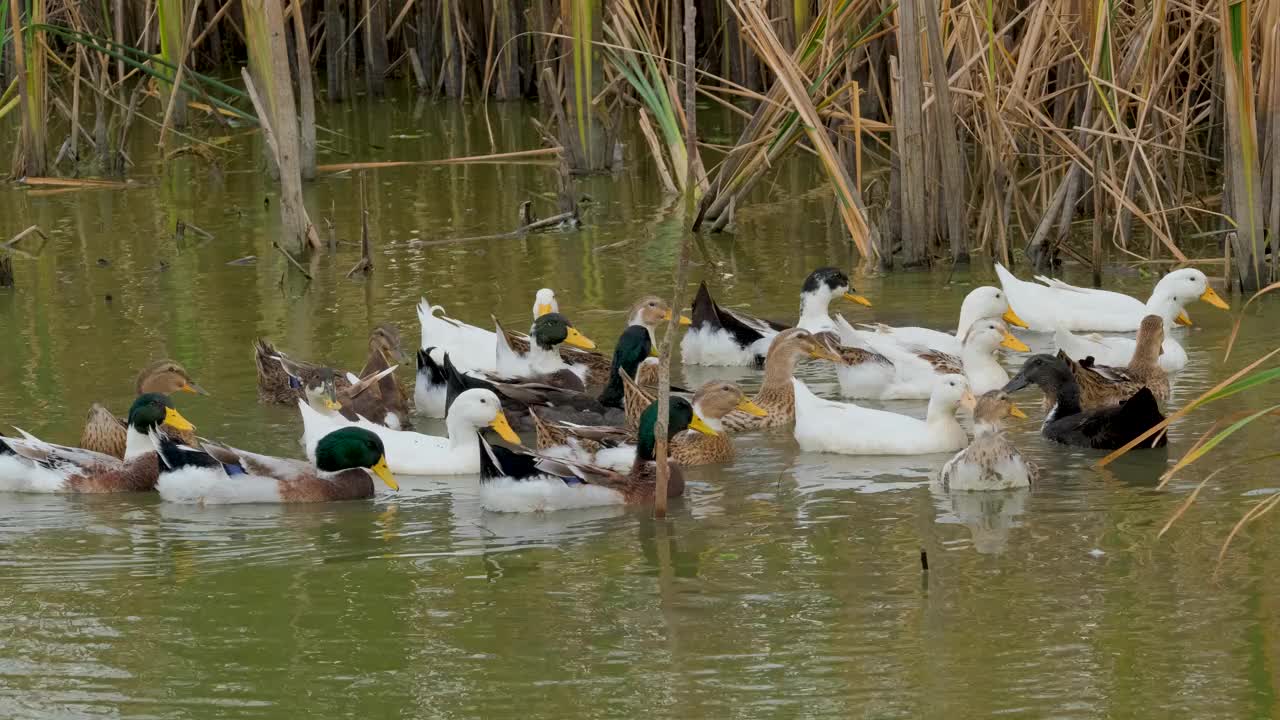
(786, 585)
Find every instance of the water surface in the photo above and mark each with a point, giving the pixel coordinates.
(785, 585)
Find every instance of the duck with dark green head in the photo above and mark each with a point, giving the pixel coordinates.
(519, 480)
(347, 461)
(634, 345)
(32, 465)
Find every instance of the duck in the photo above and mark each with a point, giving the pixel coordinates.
(475, 350)
(914, 370)
(107, 434)
(1051, 305)
(722, 337)
(350, 402)
(979, 303)
(540, 358)
(1104, 385)
(414, 453)
(1069, 423)
(30, 464)
(991, 462)
(346, 462)
(520, 480)
(612, 448)
(277, 372)
(849, 429)
(776, 396)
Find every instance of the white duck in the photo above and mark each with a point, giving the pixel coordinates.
(829, 426)
(990, 462)
(982, 302)
(1052, 304)
(412, 453)
(915, 370)
(1166, 302)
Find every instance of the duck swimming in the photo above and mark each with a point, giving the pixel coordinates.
(722, 337)
(1051, 305)
(32, 465)
(980, 303)
(991, 462)
(346, 461)
(836, 427)
(1103, 385)
(519, 480)
(107, 434)
(776, 396)
(1069, 423)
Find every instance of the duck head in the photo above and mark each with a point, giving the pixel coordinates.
(1048, 372)
(718, 398)
(478, 408)
(680, 417)
(153, 409)
(825, 284)
(544, 301)
(553, 328)
(1176, 290)
(651, 310)
(352, 447)
(385, 340)
(166, 377)
(993, 407)
(988, 334)
(986, 302)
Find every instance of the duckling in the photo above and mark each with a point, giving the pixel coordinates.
(519, 480)
(346, 461)
(107, 434)
(991, 462)
(776, 396)
(412, 453)
(1070, 424)
(32, 465)
(829, 426)
(719, 336)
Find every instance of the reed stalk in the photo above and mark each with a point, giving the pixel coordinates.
(30, 68)
(375, 46)
(171, 16)
(1243, 181)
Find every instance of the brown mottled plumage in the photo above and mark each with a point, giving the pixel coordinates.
(274, 369)
(991, 461)
(777, 396)
(105, 433)
(1104, 385)
(713, 401)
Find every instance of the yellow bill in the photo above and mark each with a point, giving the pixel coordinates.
(1183, 319)
(1213, 299)
(381, 470)
(1013, 343)
(579, 340)
(701, 426)
(1012, 318)
(503, 428)
(192, 388)
(683, 320)
(174, 419)
(825, 354)
(750, 408)
(1014, 411)
(543, 309)
(332, 405)
(968, 400)
(653, 351)
(851, 297)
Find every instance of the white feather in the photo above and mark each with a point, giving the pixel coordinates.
(212, 486)
(544, 494)
(829, 426)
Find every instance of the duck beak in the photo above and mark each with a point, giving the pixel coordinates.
(193, 388)
(1213, 299)
(174, 419)
(968, 400)
(1017, 383)
(701, 426)
(503, 428)
(684, 321)
(750, 408)
(653, 351)
(382, 471)
(1012, 318)
(1183, 319)
(1015, 411)
(332, 405)
(851, 297)
(543, 309)
(398, 356)
(1013, 343)
(579, 340)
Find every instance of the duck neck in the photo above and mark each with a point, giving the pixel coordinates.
(779, 367)
(712, 421)
(543, 359)
(815, 312)
(984, 428)
(978, 359)
(1067, 400)
(136, 444)
(1146, 356)
(462, 433)
(941, 412)
(968, 316)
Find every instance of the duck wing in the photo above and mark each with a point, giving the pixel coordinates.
(745, 329)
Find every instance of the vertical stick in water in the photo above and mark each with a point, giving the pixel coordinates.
(29, 62)
(335, 48)
(375, 46)
(306, 97)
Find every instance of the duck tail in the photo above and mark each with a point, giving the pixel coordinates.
(704, 308)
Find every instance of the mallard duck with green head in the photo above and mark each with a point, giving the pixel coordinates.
(107, 434)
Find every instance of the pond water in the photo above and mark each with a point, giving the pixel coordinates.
(785, 585)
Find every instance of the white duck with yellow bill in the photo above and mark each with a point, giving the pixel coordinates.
(471, 348)
(413, 453)
(983, 302)
(850, 429)
(1050, 305)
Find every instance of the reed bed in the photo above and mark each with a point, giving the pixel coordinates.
(1043, 130)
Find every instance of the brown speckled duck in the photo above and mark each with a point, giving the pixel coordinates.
(990, 462)
(107, 434)
(1104, 385)
(777, 397)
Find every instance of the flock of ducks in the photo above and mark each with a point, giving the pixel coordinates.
(594, 418)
